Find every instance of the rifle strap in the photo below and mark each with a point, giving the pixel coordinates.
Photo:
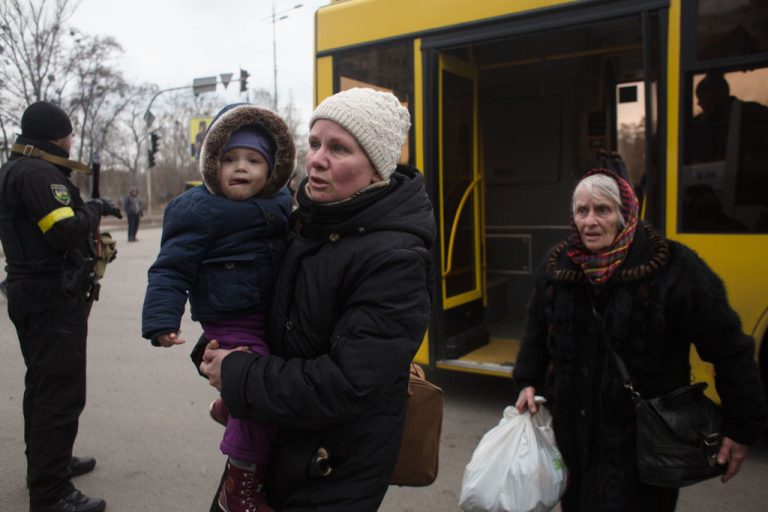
(29, 150)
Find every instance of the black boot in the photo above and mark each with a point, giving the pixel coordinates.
(81, 465)
(78, 466)
(74, 502)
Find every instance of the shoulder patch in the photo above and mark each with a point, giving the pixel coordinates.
(61, 193)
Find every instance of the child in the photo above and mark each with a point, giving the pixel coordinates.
(222, 246)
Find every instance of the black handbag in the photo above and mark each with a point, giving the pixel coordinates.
(678, 434)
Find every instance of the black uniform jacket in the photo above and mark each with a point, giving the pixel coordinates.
(43, 215)
(351, 308)
(661, 301)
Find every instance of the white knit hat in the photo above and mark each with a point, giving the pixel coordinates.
(376, 119)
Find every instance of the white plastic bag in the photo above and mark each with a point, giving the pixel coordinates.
(516, 467)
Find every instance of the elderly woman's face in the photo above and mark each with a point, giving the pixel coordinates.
(597, 220)
(336, 164)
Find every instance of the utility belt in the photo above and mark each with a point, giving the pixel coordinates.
(32, 267)
(75, 273)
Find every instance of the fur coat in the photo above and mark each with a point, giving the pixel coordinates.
(661, 301)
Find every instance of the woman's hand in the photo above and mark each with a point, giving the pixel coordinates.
(212, 358)
(526, 400)
(734, 454)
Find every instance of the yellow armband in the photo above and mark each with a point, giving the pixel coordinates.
(55, 216)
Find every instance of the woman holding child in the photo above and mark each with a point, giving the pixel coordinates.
(349, 311)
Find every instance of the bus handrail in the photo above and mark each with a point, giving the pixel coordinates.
(455, 225)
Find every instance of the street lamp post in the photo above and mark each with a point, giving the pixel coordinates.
(275, 19)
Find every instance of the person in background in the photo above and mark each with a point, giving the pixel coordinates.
(134, 211)
(617, 279)
(734, 132)
(222, 246)
(47, 234)
(350, 310)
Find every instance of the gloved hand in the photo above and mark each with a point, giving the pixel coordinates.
(105, 207)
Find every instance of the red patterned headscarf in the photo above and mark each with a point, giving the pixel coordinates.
(599, 267)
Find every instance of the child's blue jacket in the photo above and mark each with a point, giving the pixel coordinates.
(223, 255)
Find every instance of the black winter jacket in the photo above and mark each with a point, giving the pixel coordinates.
(351, 309)
(42, 215)
(663, 300)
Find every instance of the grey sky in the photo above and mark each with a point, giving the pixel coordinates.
(170, 42)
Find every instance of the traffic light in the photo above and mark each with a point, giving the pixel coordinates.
(244, 80)
(154, 143)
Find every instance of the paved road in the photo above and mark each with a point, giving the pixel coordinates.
(146, 420)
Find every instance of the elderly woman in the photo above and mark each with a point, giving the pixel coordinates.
(350, 310)
(656, 298)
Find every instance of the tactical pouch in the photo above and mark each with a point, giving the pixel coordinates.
(107, 253)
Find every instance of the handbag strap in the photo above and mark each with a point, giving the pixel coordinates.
(626, 380)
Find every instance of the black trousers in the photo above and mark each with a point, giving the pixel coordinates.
(52, 330)
(133, 225)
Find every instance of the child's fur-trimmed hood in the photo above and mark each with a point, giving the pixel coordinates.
(228, 121)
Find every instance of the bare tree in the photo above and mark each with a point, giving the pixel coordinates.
(41, 59)
(31, 51)
(123, 147)
(5, 150)
(32, 37)
(99, 91)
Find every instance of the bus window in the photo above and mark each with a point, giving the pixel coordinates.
(630, 128)
(725, 173)
(731, 28)
(386, 68)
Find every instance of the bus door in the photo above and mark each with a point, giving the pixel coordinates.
(518, 127)
(460, 204)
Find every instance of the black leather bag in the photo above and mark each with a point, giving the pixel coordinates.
(678, 434)
(678, 437)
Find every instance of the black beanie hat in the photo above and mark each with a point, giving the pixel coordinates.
(45, 121)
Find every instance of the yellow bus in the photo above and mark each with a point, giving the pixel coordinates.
(512, 100)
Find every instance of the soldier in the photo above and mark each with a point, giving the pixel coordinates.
(47, 235)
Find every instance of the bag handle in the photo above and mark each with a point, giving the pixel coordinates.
(416, 372)
(626, 380)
